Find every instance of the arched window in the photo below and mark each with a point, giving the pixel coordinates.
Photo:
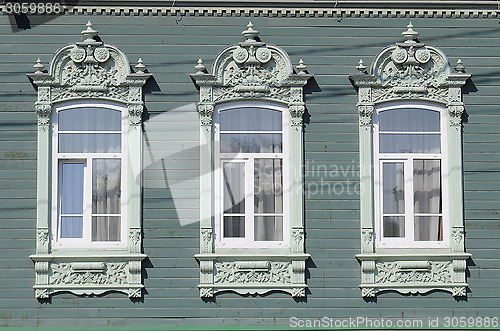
(251, 178)
(89, 159)
(410, 163)
(89, 149)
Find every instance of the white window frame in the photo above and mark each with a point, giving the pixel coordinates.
(59, 158)
(407, 160)
(247, 158)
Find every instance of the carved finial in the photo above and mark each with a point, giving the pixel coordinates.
(361, 67)
(250, 33)
(410, 35)
(459, 67)
(200, 67)
(301, 68)
(89, 33)
(38, 66)
(140, 66)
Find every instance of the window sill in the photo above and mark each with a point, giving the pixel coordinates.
(419, 272)
(252, 273)
(87, 273)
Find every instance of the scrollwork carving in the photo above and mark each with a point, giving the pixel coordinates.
(64, 273)
(230, 272)
(391, 272)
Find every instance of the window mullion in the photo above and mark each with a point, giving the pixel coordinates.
(87, 201)
(249, 199)
(409, 218)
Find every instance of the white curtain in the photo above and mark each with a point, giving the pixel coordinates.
(393, 199)
(268, 198)
(234, 199)
(106, 199)
(427, 199)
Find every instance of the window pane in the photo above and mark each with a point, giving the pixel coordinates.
(410, 143)
(409, 120)
(250, 119)
(268, 186)
(427, 186)
(268, 228)
(428, 228)
(234, 187)
(89, 119)
(71, 191)
(106, 228)
(234, 226)
(394, 226)
(106, 186)
(71, 226)
(90, 143)
(250, 143)
(393, 188)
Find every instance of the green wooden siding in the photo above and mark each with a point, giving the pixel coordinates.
(170, 48)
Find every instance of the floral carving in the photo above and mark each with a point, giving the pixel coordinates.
(367, 235)
(230, 272)
(135, 236)
(458, 234)
(43, 235)
(64, 273)
(298, 235)
(391, 272)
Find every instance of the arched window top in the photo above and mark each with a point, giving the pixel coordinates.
(409, 118)
(251, 116)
